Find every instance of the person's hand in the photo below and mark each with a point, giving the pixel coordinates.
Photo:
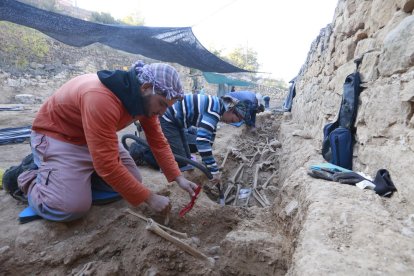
(186, 185)
(158, 202)
(216, 179)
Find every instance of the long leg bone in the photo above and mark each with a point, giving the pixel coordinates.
(258, 198)
(264, 197)
(254, 158)
(230, 186)
(154, 227)
(256, 175)
(232, 181)
(225, 158)
(236, 174)
(230, 199)
(180, 234)
(237, 195)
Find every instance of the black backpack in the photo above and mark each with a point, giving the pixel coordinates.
(338, 137)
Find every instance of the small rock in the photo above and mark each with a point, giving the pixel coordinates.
(25, 99)
(195, 241)
(4, 249)
(213, 250)
(291, 207)
(407, 232)
(42, 254)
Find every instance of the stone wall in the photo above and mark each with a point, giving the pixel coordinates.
(382, 31)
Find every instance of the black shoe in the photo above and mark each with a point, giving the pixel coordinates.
(11, 174)
(383, 183)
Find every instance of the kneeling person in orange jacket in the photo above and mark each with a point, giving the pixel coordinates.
(75, 133)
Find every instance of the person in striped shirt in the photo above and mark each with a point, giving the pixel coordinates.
(202, 112)
(253, 106)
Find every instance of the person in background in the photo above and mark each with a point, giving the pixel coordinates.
(74, 134)
(199, 114)
(233, 89)
(253, 103)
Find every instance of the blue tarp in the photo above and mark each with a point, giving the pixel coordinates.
(221, 79)
(14, 135)
(177, 45)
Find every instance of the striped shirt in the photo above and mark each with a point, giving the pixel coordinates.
(202, 112)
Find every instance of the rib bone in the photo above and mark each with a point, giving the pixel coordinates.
(268, 180)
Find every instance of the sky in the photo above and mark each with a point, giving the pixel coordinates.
(280, 31)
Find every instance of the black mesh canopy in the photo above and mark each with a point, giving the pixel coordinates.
(177, 45)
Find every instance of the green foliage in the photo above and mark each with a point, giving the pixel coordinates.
(134, 19)
(217, 52)
(244, 58)
(103, 17)
(25, 44)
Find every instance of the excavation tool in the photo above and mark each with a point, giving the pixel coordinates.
(191, 204)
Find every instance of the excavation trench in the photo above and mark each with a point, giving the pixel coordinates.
(244, 237)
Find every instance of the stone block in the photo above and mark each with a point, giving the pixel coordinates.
(398, 53)
(368, 69)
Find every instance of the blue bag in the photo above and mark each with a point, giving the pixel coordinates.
(338, 137)
(338, 147)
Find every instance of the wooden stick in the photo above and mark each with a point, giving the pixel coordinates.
(180, 234)
(154, 227)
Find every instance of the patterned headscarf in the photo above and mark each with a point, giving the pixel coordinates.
(163, 77)
(239, 107)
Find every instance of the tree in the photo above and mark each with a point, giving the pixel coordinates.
(134, 19)
(244, 58)
(103, 17)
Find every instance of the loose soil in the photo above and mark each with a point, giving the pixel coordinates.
(243, 240)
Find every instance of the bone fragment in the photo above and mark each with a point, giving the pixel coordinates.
(180, 234)
(230, 199)
(256, 174)
(87, 269)
(155, 228)
(268, 180)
